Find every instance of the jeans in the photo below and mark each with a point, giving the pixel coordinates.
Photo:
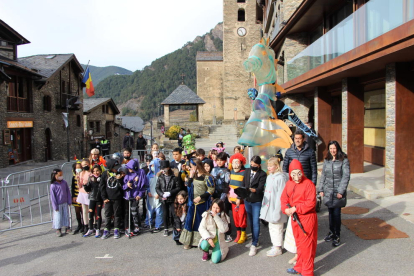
(155, 214)
(335, 221)
(253, 213)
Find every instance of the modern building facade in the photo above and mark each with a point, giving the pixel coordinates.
(351, 64)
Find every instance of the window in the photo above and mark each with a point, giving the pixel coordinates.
(103, 109)
(62, 87)
(241, 1)
(78, 121)
(92, 125)
(374, 118)
(47, 103)
(98, 127)
(241, 15)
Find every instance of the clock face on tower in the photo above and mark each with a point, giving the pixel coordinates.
(241, 31)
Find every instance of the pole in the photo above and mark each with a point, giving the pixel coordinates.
(67, 129)
(86, 68)
(151, 132)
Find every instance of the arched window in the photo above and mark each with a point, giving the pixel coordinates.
(241, 15)
(78, 121)
(47, 103)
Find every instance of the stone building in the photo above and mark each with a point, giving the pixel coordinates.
(347, 66)
(222, 76)
(36, 91)
(99, 122)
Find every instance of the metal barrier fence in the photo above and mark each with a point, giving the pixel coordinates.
(30, 202)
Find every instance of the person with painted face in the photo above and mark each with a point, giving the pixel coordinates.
(167, 188)
(254, 181)
(238, 210)
(83, 197)
(298, 197)
(76, 170)
(332, 188)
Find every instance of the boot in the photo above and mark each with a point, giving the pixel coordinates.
(79, 228)
(243, 237)
(238, 236)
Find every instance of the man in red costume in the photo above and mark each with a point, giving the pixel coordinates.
(300, 193)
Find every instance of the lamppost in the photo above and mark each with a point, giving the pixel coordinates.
(69, 101)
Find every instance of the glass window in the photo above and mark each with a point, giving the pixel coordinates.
(374, 118)
(241, 15)
(98, 127)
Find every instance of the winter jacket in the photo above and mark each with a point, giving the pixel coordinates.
(111, 187)
(271, 210)
(128, 142)
(172, 186)
(306, 157)
(141, 143)
(137, 178)
(258, 182)
(92, 187)
(221, 179)
(334, 180)
(208, 230)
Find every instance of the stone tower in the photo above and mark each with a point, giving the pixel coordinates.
(240, 33)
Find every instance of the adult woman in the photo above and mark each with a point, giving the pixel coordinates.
(200, 186)
(254, 180)
(271, 210)
(333, 185)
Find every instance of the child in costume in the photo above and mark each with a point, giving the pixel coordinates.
(61, 200)
(180, 213)
(299, 193)
(112, 181)
(83, 197)
(76, 170)
(212, 228)
(221, 175)
(95, 201)
(237, 162)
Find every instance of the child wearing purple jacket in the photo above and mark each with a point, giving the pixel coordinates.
(61, 200)
(135, 183)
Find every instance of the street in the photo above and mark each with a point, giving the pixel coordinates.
(37, 251)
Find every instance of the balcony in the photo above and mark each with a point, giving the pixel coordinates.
(372, 20)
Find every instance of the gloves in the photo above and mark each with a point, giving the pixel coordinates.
(166, 194)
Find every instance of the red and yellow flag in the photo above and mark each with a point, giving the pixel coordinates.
(87, 80)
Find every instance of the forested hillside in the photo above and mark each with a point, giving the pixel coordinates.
(156, 81)
(101, 73)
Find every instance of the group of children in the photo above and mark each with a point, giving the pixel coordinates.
(192, 194)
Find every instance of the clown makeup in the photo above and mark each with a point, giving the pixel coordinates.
(236, 165)
(296, 176)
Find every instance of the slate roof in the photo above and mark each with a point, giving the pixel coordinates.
(183, 95)
(89, 104)
(47, 65)
(8, 33)
(18, 65)
(209, 56)
(135, 124)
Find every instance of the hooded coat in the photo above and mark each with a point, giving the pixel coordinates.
(138, 185)
(302, 195)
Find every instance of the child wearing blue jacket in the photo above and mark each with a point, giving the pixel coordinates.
(135, 183)
(154, 205)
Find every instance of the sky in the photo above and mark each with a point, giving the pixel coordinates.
(126, 33)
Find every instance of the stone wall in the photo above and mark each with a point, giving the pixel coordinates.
(289, 7)
(344, 115)
(390, 84)
(210, 89)
(299, 104)
(236, 49)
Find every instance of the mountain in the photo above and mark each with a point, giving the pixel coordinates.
(148, 87)
(100, 73)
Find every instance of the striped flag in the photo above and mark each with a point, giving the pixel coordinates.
(87, 80)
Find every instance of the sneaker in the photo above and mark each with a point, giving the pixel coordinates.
(329, 237)
(228, 238)
(250, 244)
(166, 233)
(156, 230)
(292, 271)
(87, 234)
(336, 242)
(205, 256)
(146, 226)
(116, 234)
(136, 232)
(97, 234)
(58, 233)
(128, 234)
(253, 251)
(105, 235)
(275, 251)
